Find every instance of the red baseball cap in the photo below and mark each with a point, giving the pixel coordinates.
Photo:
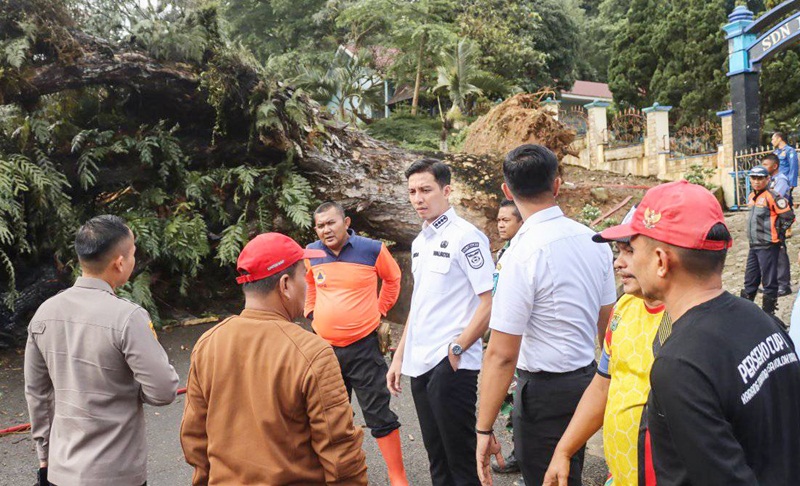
(268, 254)
(677, 213)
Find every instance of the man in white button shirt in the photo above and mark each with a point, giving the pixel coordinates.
(441, 345)
(553, 297)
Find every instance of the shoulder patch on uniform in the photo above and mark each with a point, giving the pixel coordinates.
(474, 256)
(781, 203)
(615, 321)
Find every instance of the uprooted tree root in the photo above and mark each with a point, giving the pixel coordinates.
(519, 120)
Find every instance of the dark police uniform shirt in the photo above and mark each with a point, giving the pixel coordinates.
(725, 402)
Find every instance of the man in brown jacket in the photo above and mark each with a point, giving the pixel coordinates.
(91, 362)
(266, 403)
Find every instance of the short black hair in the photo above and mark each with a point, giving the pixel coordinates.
(780, 135)
(326, 206)
(99, 236)
(508, 202)
(440, 170)
(773, 158)
(268, 284)
(705, 263)
(530, 171)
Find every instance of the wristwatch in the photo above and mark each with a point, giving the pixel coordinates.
(456, 349)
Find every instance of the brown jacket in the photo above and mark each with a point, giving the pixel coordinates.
(266, 404)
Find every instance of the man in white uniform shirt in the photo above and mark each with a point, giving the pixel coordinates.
(441, 346)
(553, 297)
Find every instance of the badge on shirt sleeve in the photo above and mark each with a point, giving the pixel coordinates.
(782, 203)
(153, 329)
(474, 256)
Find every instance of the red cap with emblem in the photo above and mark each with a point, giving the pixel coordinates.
(678, 213)
(268, 254)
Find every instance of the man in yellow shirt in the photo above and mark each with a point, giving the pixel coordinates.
(616, 397)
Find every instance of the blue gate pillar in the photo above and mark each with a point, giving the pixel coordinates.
(743, 80)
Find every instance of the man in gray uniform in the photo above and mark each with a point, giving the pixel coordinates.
(91, 362)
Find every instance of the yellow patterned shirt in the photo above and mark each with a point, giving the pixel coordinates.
(635, 334)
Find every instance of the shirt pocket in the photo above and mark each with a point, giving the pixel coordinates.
(438, 274)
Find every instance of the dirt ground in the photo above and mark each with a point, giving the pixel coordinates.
(576, 191)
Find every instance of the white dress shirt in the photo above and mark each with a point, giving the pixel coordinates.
(452, 265)
(553, 283)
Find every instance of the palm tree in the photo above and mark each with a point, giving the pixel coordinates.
(462, 79)
(349, 84)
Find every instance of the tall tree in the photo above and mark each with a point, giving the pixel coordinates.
(282, 33)
(460, 77)
(425, 26)
(531, 43)
(605, 19)
(673, 53)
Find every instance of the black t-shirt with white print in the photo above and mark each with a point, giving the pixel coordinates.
(724, 407)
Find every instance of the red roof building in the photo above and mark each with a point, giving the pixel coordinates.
(583, 92)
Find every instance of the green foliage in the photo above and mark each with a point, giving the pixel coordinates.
(649, 66)
(14, 51)
(296, 199)
(588, 214)
(283, 34)
(173, 30)
(457, 73)
(508, 48)
(410, 132)
(138, 290)
(780, 83)
(348, 86)
(698, 174)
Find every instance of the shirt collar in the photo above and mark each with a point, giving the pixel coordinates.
(93, 283)
(440, 223)
(350, 234)
(262, 315)
(540, 217)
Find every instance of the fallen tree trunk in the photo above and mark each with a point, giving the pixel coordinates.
(363, 174)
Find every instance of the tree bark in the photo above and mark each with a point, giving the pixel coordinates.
(418, 80)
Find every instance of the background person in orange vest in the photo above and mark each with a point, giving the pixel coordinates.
(346, 309)
(770, 216)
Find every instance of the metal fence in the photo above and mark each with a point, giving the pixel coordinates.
(699, 139)
(743, 161)
(575, 118)
(627, 128)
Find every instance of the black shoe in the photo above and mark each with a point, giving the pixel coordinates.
(769, 304)
(784, 291)
(512, 466)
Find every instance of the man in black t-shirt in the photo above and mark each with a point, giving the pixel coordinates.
(724, 408)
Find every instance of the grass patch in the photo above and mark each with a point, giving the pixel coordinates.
(407, 131)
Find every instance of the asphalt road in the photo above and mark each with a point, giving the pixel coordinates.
(166, 465)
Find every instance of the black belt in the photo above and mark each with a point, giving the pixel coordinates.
(539, 375)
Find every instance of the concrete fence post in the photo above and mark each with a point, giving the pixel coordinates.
(596, 131)
(656, 140)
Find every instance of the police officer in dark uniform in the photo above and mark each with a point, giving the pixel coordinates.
(770, 215)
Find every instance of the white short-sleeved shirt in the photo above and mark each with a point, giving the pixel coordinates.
(553, 283)
(452, 265)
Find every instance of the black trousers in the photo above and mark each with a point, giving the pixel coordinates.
(784, 275)
(762, 268)
(364, 370)
(445, 402)
(543, 406)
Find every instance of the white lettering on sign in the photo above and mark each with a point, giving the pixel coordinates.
(775, 38)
